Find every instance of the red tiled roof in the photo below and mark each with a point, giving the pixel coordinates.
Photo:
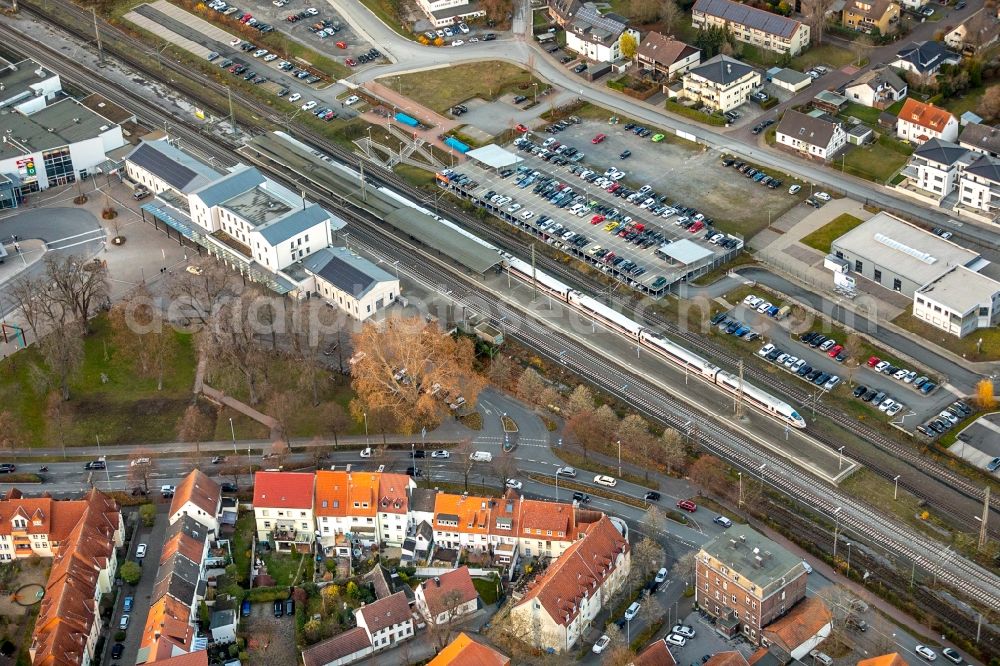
(338, 647)
(731, 658)
(655, 654)
(199, 658)
(463, 651)
(891, 659)
(283, 490)
(540, 518)
(806, 619)
(198, 489)
(392, 495)
(924, 115)
(439, 592)
(581, 569)
(386, 612)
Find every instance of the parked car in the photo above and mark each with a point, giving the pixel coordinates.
(566, 471)
(601, 643)
(683, 630)
(117, 651)
(632, 611)
(123, 622)
(440, 454)
(923, 650)
(725, 522)
(675, 640)
(140, 551)
(604, 480)
(129, 603)
(687, 505)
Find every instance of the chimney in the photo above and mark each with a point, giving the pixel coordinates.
(729, 68)
(437, 581)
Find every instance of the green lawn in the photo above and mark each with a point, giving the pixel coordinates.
(487, 589)
(383, 9)
(830, 55)
(282, 567)
(240, 545)
(896, 108)
(414, 175)
(965, 347)
(967, 102)
(823, 238)
(878, 161)
(865, 114)
(441, 89)
(108, 396)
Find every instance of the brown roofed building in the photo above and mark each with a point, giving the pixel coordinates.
(561, 605)
(730, 658)
(870, 15)
(664, 54)
(464, 651)
(801, 629)
(891, 659)
(199, 497)
(388, 621)
(655, 654)
(821, 137)
(199, 658)
(345, 648)
(546, 528)
(448, 596)
(919, 122)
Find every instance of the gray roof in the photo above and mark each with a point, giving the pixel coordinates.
(878, 78)
(64, 122)
(751, 17)
(801, 126)
(189, 526)
(911, 252)
(340, 646)
(222, 618)
(425, 530)
(831, 98)
(17, 79)
(293, 223)
(926, 56)
(422, 499)
(985, 166)
(346, 270)
(790, 76)
(860, 130)
(603, 28)
(179, 578)
(471, 253)
(722, 69)
(983, 138)
(739, 548)
(942, 152)
(960, 289)
(243, 179)
(179, 169)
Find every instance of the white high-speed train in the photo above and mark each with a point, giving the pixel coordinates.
(752, 395)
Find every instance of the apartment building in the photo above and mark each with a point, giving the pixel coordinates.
(871, 15)
(462, 521)
(82, 537)
(447, 597)
(746, 581)
(919, 122)
(545, 529)
(387, 621)
(393, 518)
(979, 188)
(283, 508)
(198, 497)
(597, 36)
(820, 136)
(666, 55)
(561, 605)
(752, 26)
(983, 139)
(720, 83)
(936, 168)
(464, 651)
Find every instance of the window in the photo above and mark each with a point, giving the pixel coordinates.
(984, 312)
(897, 284)
(858, 266)
(59, 166)
(878, 275)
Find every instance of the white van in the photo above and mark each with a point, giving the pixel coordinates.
(481, 456)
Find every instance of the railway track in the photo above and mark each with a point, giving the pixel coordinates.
(965, 577)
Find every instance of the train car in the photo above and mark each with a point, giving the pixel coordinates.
(680, 356)
(608, 315)
(761, 400)
(544, 281)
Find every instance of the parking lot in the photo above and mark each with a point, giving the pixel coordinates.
(270, 640)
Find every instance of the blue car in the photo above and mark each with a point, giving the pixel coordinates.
(129, 601)
(245, 608)
(928, 387)
(741, 331)
(773, 310)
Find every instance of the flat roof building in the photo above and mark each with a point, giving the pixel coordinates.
(900, 256)
(958, 302)
(26, 86)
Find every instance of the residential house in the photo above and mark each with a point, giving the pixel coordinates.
(664, 54)
(655, 654)
(746, 581)
(346, 648)
(444, 598)
(505, 530)
(752, 26)
(545, 529)
(720, 83)
(877, 88)
(283, 508)
(464, 651)
(199, 497)
(816, 136)
(348, 502)
(450, 12)
(82, 537)
(979, 31)
(388, 621)
(197, 658)
(728, 658)
(829, 101)
(562, 11)
(924, 59)
(801, 629)
(919, 122)
(936, 168)
(462, 521)
(981, 138)
(871, 15)
(222, 626)
(979, 188)
(394, 508)
(561, 604)
(597, 36)
(350, 282)
(422, 502)
(891, 659)
(959, 302)
(386, 583)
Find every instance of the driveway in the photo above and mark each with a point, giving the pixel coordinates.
(270, 640)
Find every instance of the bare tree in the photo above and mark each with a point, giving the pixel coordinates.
(634, 431)
(550, 398)
(78, 286)
(685, 567)
(670, 15)
(10, 434)
(29, 294)
(142, 467)
(282, 407)
(852, 350)
(580, 400)
(463, 456)
(814, 12)
(312, 376)
(504, 467)
(651, 610)
(194, 426)
(644, 11)
(593, 429)
(141, 333)
(708, 472)
(989, 105)
(441, 632)
(647, 558)
(530, 386)
(232, 340)
(399, 364)
(500, 371)
(198, 295)
(654, 522)
(336, 421)
(672, 451)
(62, 351)
(57, 418)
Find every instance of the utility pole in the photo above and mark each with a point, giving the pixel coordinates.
(97, 34)
(364, 188)
(534, 275)
(986, 515)
(739, 394)
(232, 113)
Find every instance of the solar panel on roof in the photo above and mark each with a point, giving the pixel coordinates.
(150, 159)
(346, 277)
(751, 17)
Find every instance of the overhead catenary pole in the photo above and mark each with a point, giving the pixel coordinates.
(232, 112)
(739, 394)
(986, 515)
(534, 276)
(97, 35)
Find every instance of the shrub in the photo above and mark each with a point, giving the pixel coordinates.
(130, 572)
(147, 512)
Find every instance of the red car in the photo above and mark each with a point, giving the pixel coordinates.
(599, 138)
(687, 505)
(614, 187)
(245, 18)
(696, 227)
(292, 18)
(873, 361)
(350, 62)
(341, 45)
(836, 349)
(521, 128)
(597, 219)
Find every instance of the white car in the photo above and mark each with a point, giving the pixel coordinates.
(925, 652)
(790, 361)
(270, 57)
(366, 452)
(822, 196)
(895, 409)
(123, 623)
(900, 374)
(458, 42)
(235, 42)
(603, 480)
(886, 404)
(259, 52)
(910, 376)
(794, 189)
(764, 307)
(632, 611)
(464, 28)
(566, 471)
(167, 490)
(515, 484)
(311, 104)
(353, 99)
(661, 575)
(294, 97)
(949, 417)
(683, 630)
(140, 551)
(601, 643)
(881, 365)
(440, 454)
(781, 359)
(312, 11)
(798, 365)
(527, 215)
(473, 40)
(675, 640)
(807, 567)
(831, 383)
(765, 350)
(139, 461)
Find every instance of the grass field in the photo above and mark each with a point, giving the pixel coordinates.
(967, 102)
(823, 238)
(966, 347)
(125, 408)
(865, 114)
(877, 161)
(830, 55)
(487, 590)
(441, 89)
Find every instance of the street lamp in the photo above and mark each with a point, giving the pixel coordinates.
(836, 533)
(367, 443)
(740, 475)
(619, 458)
(848, 559)
(840, 461)
(895, 487)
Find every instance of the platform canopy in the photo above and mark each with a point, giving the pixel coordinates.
(493, 156)
(450, 243)
(685, 252)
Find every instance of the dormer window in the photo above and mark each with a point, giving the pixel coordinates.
(20, 523)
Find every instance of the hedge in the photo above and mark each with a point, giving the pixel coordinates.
(261, 594)
(694, 114)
